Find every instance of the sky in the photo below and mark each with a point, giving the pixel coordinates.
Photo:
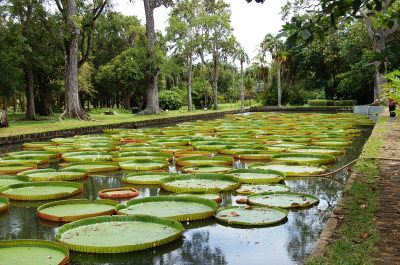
(250, 21)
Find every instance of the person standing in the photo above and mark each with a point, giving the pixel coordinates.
(392, 107)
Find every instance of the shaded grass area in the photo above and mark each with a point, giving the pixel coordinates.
(354, 239)
(51, 123)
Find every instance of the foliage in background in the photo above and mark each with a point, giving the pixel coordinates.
(169, 100)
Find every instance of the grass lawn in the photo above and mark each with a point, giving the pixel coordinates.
(51, 123)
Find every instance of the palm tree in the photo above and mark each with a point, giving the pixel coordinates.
(242, 56)
(276, 48)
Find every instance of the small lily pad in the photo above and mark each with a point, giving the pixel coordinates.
(283, 199)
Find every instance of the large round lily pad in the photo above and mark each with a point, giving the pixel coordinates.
(203, 160)
(86, 156)
(72, 210)
(49, 154)
(206, 169)
(118, 234)
(54, 175)
(254, 155)
(291, 170)
(4, 203)
(217, 197)
(119, 193)
(304, 158)
(94, 167)
(127, 156)
(201, 182)
(318, 150)
(9, 180)
(144, 164)
(251, 215)
(33, 252)
(283, 199)
(45, 190)
(258, 175)
(261, 188)
(13, 169)
(174, 207)
(147, 177)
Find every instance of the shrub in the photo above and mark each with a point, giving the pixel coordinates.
(320, 102)
(169, 100)
(349, 102)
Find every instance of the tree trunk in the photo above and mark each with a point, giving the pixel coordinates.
(43, 107)
(278, 76)
(127, 99)
(241, 84)
(15, 104)
(3, 119)
(380, 80)
(22, 101)
(30, 102)
(73, 108)
(152, 104)
(189, 84)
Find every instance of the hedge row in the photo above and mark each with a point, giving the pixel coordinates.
(324, 102)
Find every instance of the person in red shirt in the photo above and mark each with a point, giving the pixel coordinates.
(392, 107)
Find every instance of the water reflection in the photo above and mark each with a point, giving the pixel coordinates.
(205, 241)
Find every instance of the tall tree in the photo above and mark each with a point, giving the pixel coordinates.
(152, 105)
(77, 25)
(242, 56)
(276, 48)
(216, 39)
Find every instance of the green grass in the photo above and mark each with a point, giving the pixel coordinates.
(361, 202)
(51, 123)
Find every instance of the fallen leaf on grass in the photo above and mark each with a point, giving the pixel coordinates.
(365, 235)
(375, 219)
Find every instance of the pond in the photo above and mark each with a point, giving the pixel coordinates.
(205, 241)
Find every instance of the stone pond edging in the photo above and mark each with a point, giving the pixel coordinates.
(31, 137)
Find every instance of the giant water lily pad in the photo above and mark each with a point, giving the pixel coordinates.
(4, 203)
(24, 160)
(128, 156)
(45, 190)
(260, 188)
(55, 175)
(33, 252)
(258, 175)
(304, 158)
(201, 182)
(9, 180)
(283, 199)
(118, 234)
(147, 177)
(341, 143)
(318, 150)
(203, 160)
(119, 193)
(254, 155)
(251, 215)
(49, 154)
(86, 156)
(36, 145)
(205, 195)
(206, 169)
(290, 170)
(144, 164)
(13, 169)
(94, 167)
(191, 153)
(72, 210)
(173, 207)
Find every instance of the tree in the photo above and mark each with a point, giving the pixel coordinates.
(242, 56)
(77, 25)
(152, 105)
(183, 35)
(216, 39)
(276, 48)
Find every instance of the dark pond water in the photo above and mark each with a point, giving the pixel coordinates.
(206, 241)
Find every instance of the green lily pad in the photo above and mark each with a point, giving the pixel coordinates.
(258, 175)
(86, 156)
(24, 160)
(128, 156)
(33, 252)
(54, 175)
(283, 199)
(49, 154)
(72, 210)
(191, 153)
(201, 183)
(45, 190)
(118, 234)
(9, 180)
(149, 178)
(318, 150)
(203, 160)
(251, 215)
(291, 170)
(260, 188)
(205, 195)
(254, 155)
(332, 143)
(304, 158)
(173, 207)
(13, 169)
(94, 167)
(206, 169)
(4, 203)
(144, 164)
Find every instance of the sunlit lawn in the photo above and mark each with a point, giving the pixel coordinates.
(50, 123)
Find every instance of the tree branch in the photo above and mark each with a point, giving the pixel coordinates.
(368, 25)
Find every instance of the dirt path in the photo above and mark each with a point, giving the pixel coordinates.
(388, 224)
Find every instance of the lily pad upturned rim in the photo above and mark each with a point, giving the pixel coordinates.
(335, 151)
(124, 156)
(37, 243)
(200, 169)
(19, 179)
(132, 194)
(49, 154)
(254, 154)
(6, 201)
(70, 157)
(216, 160)
(182, 217)
(162, 164)
(209, 176)
(320, 168)
(167, 175)
(16, 168)
(283, 193)
(194, 193)
(320, 159)
(72, 218)
(78, 186)
(120, 218)
(260, 171)
(64, 176)
(192, 153)
(107, 166)
(252, 208)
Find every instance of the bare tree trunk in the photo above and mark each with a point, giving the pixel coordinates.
(278, 76)
(152, 104)
(73, 108)
(241, 84)
(22, 101)
(15, 104)
(3, 119)
(213, 77)
(380, 80)
(127, 99)
(30, 102)
(189, 85)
